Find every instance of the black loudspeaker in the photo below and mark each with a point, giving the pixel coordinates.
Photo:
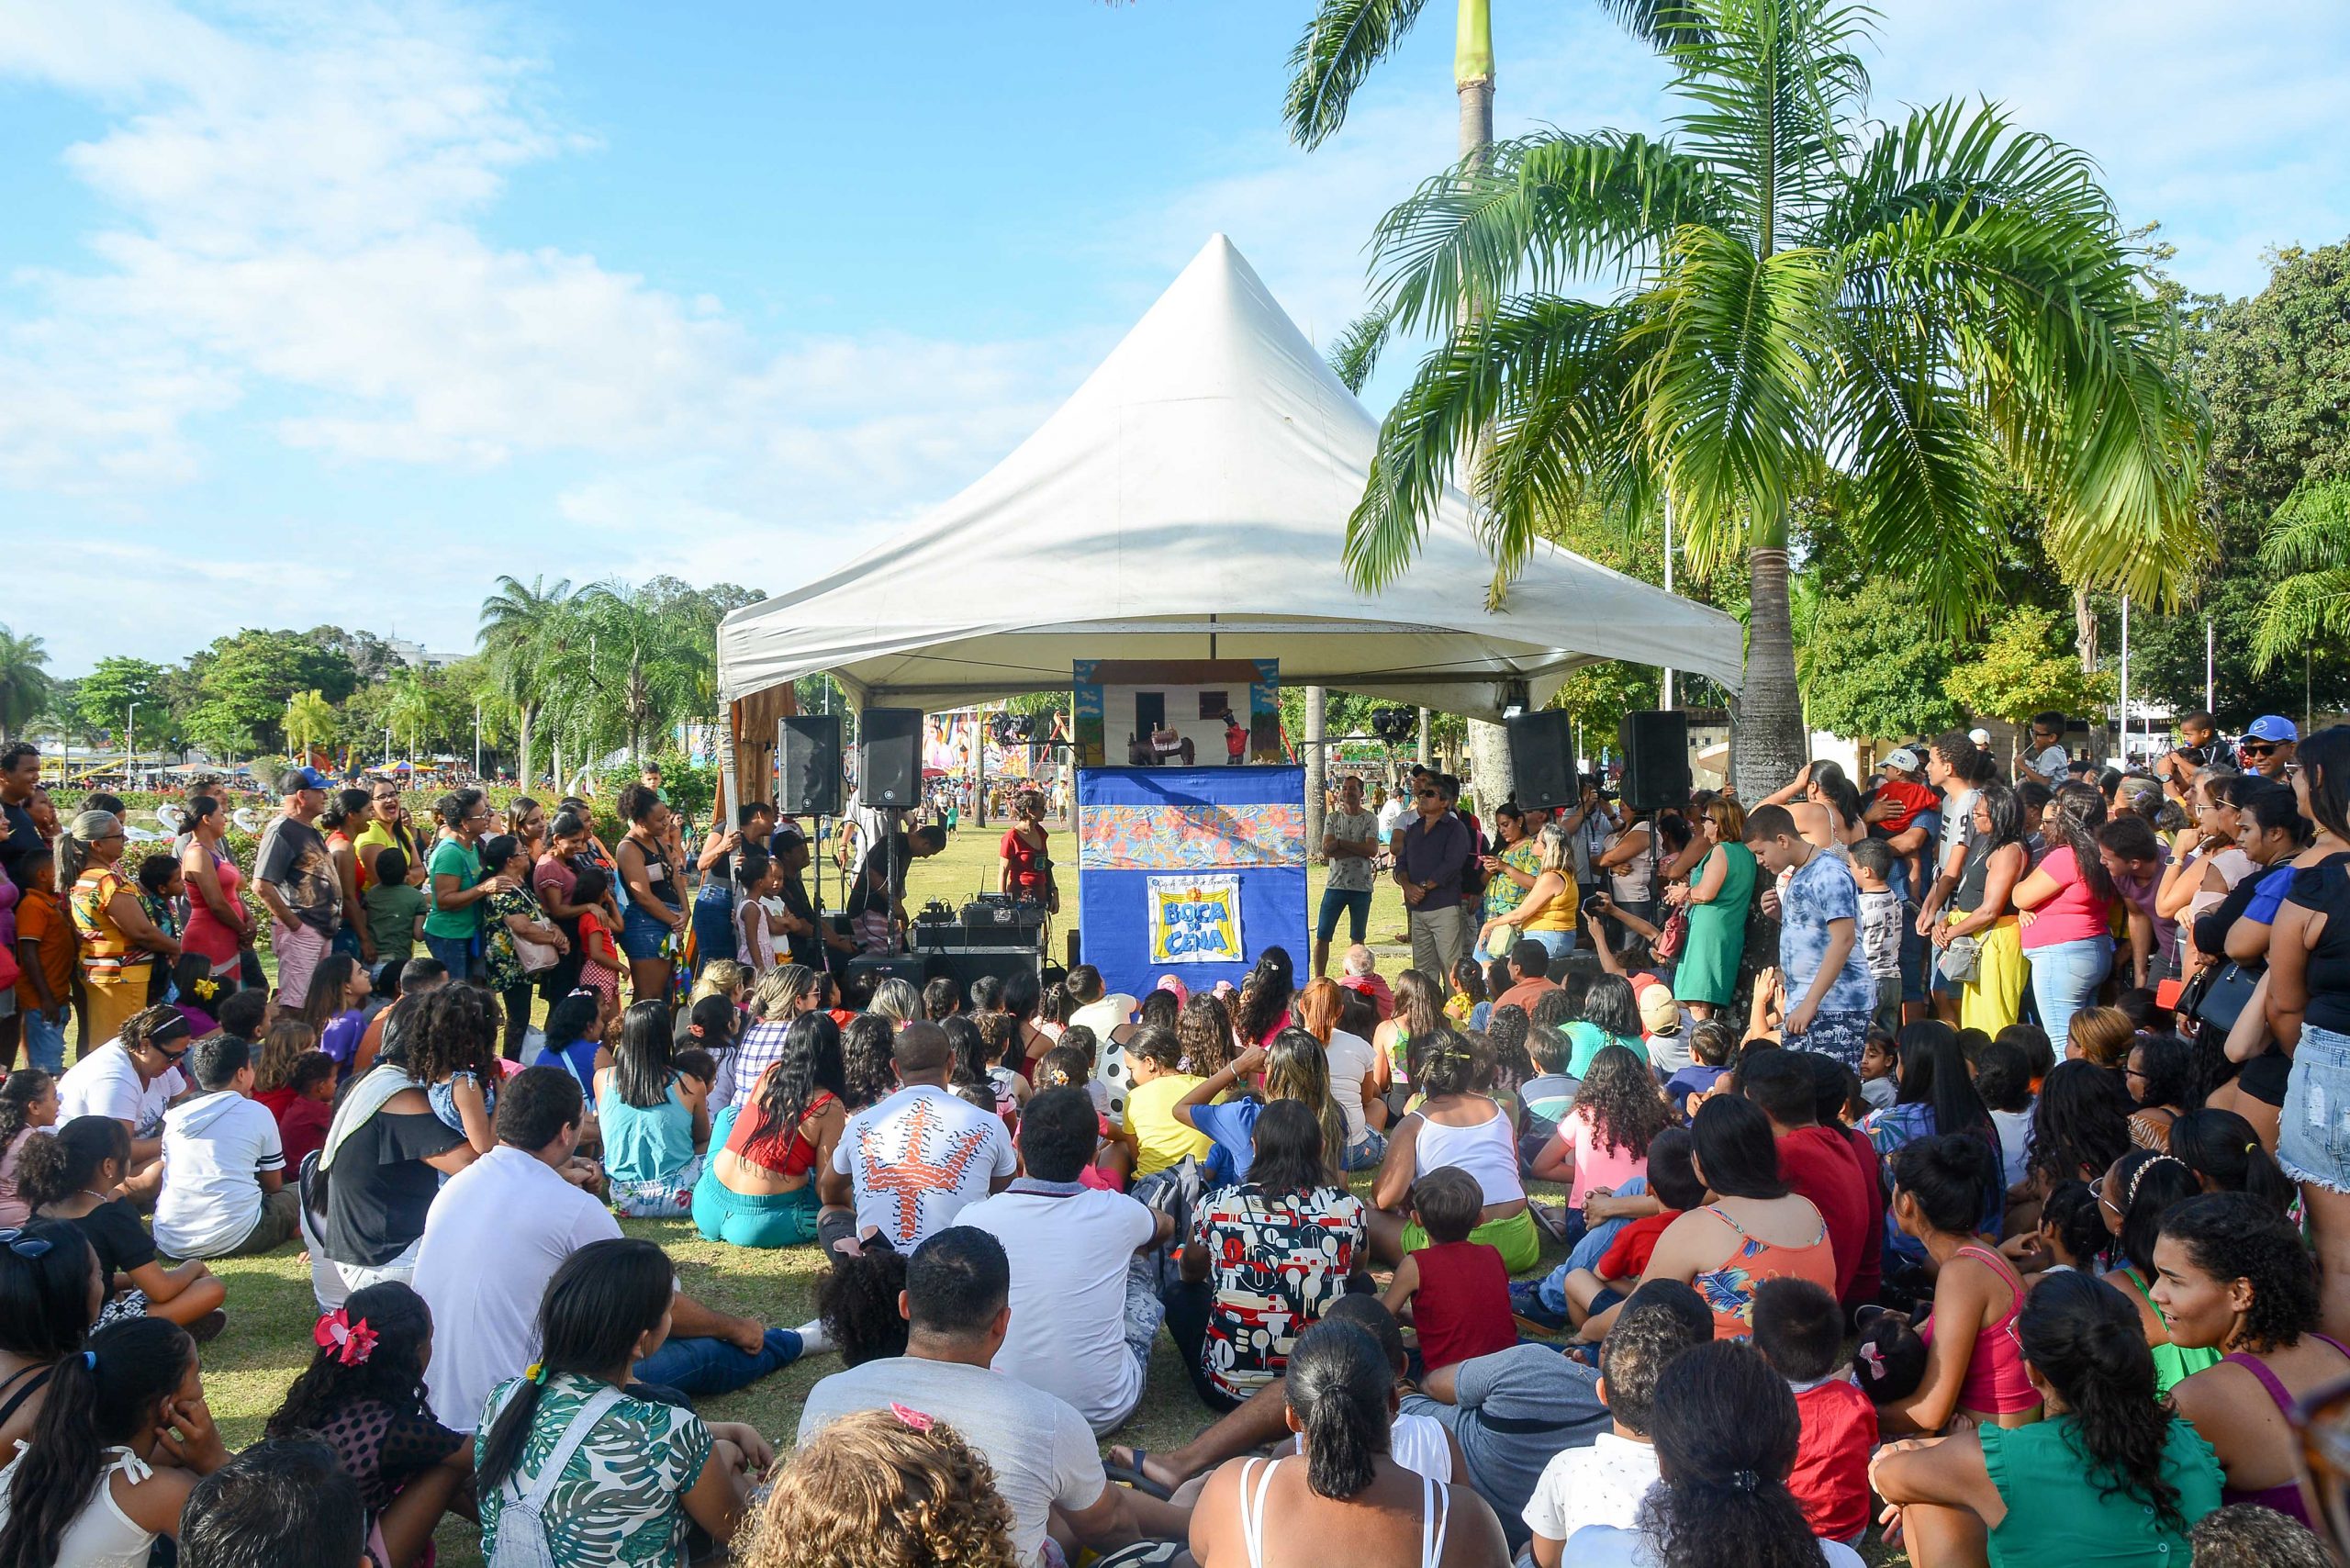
(889, 758)
(1542, 759)
(810, 763)
(1656, 759)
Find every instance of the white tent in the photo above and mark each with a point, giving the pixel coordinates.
(1191, 501)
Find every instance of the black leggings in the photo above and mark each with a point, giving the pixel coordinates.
(1188, 1306)
(517, 1000)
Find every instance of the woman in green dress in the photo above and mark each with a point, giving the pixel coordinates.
(1716, 897)
(2113, 1478)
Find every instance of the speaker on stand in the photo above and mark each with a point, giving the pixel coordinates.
(807, 754)
(1542, 759)
(889, 758)
(1656, 759)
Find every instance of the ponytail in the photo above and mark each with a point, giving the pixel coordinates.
(1726, 1430)
(72, 852)
(105, 1395)
(1339, 1383)
(2222, 1149)
(600, 1302)
(17, 1093)
(48, 1168)
(2085, 1338)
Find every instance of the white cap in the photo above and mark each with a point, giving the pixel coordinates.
(1980, 737)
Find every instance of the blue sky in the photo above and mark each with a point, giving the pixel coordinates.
(334, 313)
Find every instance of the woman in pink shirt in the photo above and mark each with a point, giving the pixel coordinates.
(1603, 1141)
(2067, 907)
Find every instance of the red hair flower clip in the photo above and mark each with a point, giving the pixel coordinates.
(353, 1343)
(913, 1418)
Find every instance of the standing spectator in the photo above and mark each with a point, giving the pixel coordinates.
(635, 1472)
(1979, 913)
(219, 926)
(1830, 997)
(911, 1164)
(2309, 1011)
(119, 943)
(2134, 857)
(295, 878)
(1023, 861)
(1432, 856)
(452, 928)
(390, 827)
(2113, 1477)
(21, 847)
(395, 909)
(653, 924)
(45, 955)
(1508, 870)
(1717, 895)
(520, 941)
(2067, 933)
(343, 821)
(224, 1191)
(1883, 922)
(1083, 1314)
(1956, 767)
(1350, 839)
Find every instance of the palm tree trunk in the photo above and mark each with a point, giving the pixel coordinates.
(1473, 79)
(1317, 766)
(523, 744)
(1769, 735)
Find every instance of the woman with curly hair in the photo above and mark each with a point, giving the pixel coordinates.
(2112, 1476)
(451, 1049)
(1264, 1009)
(1604, 1141)
(362, 1395)
(2155, 1079)
(759, 1186)
(1203, 1032)
(868, 1074)
(2080, 1124)
(882, 1489)
(2229, 1274)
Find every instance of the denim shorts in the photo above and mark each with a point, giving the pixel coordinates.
(1353, 903)
(641, 934)
(2313, 1132)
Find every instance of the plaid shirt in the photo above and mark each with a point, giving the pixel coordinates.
(739, 1069)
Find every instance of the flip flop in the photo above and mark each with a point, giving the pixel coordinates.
(1132, 1476)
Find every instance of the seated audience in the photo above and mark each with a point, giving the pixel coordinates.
(1293, 1068)
(1354, 1078)
(1727, 1434)
(362, 1395)
(302, 1124)
(2231, 1275)
(1347, 1496)
(1606, 1482)
(1711, 1046)
(1083, 1314)
(2113, 1477)
(132, 1079)
(1264, 1259)
(452, 1049)
(906, 1167)
(1799, 1329)
(1154, 1059)
(2155, 1078)
(882, 1489)
(417, 978)
(1572, 1290)
(956, 1302)
(1819, 1165)
(1071, 1067)
(1973, 1367)
(2003, 1079)
(759, 1186)
(2225, 1154)
(1453, 1292)
(654, 1120)
(1603, 1141)
(224, 1193)
(1454, 1125)
(28, 1109)
(635, 1470)
(2137, 1191)
(2245, 1535)
(121, 1441)
(285, 1503)
(381, 1164)
(505, 1226)
(50, 1295)
(62, 1176)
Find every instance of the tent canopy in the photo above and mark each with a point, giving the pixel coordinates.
(1190, 502)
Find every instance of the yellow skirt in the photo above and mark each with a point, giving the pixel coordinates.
(1991, 1003)
(113, 1001)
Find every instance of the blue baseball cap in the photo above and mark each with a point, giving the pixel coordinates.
(2272, 727)
(311, 780)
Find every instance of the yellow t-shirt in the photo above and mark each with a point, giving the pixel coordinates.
(1161, 1140)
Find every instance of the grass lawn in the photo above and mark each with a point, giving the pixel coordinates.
(246, 1370)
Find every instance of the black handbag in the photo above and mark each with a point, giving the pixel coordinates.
(2226, 995)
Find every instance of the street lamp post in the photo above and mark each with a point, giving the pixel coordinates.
(476, 740)
(130, 746)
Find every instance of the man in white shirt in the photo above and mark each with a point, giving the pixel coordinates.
(1082, 1315)
(958, 1312)
(1350, 840)
(224, 1193)
(911, 1164)
(131, 1078)
(1101, 1010)
(1605, 1483)
(501, 1228)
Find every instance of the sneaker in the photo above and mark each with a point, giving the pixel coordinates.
(206, 1329)
(1525, 1304)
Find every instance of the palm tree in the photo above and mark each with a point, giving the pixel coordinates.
(410, 712)
(2307, 544)
(309, 720)
(647, 660)
(25, 683)
(522, 629)
(1901, 315)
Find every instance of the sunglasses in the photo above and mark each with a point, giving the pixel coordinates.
(2256, 748)
(15, 1239)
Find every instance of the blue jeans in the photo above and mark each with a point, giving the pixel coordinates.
(714, 922)
(455, 954)
(2065, 977)
(1354, 903)
(1587, 1252)
(44, 1042)
(713, 1366)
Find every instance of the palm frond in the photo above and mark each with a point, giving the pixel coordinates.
(1337, 50)
(1533, 216)
(1772, 84)
(1659, 23)
(2307, 541)
(1355, 354)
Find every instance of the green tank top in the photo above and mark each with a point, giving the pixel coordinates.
(2058, 1519)
(2173, 1364)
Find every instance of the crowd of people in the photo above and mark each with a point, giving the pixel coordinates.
(1950, 1160)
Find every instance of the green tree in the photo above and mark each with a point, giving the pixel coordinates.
(637, 663)
(2276, 369)
(254, 674)
(2025, 667)
(309, 723)
(25, 683)
(522, 637)
(2308, 549)
(1875, 666)
(217, 729)
(108, 692)
(1902, 314)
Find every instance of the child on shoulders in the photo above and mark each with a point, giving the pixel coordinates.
(1454, 1292)
(1800, 1332)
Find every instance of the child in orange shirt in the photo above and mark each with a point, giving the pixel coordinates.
(45, 950)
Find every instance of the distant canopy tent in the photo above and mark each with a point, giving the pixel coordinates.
(1190, 502)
